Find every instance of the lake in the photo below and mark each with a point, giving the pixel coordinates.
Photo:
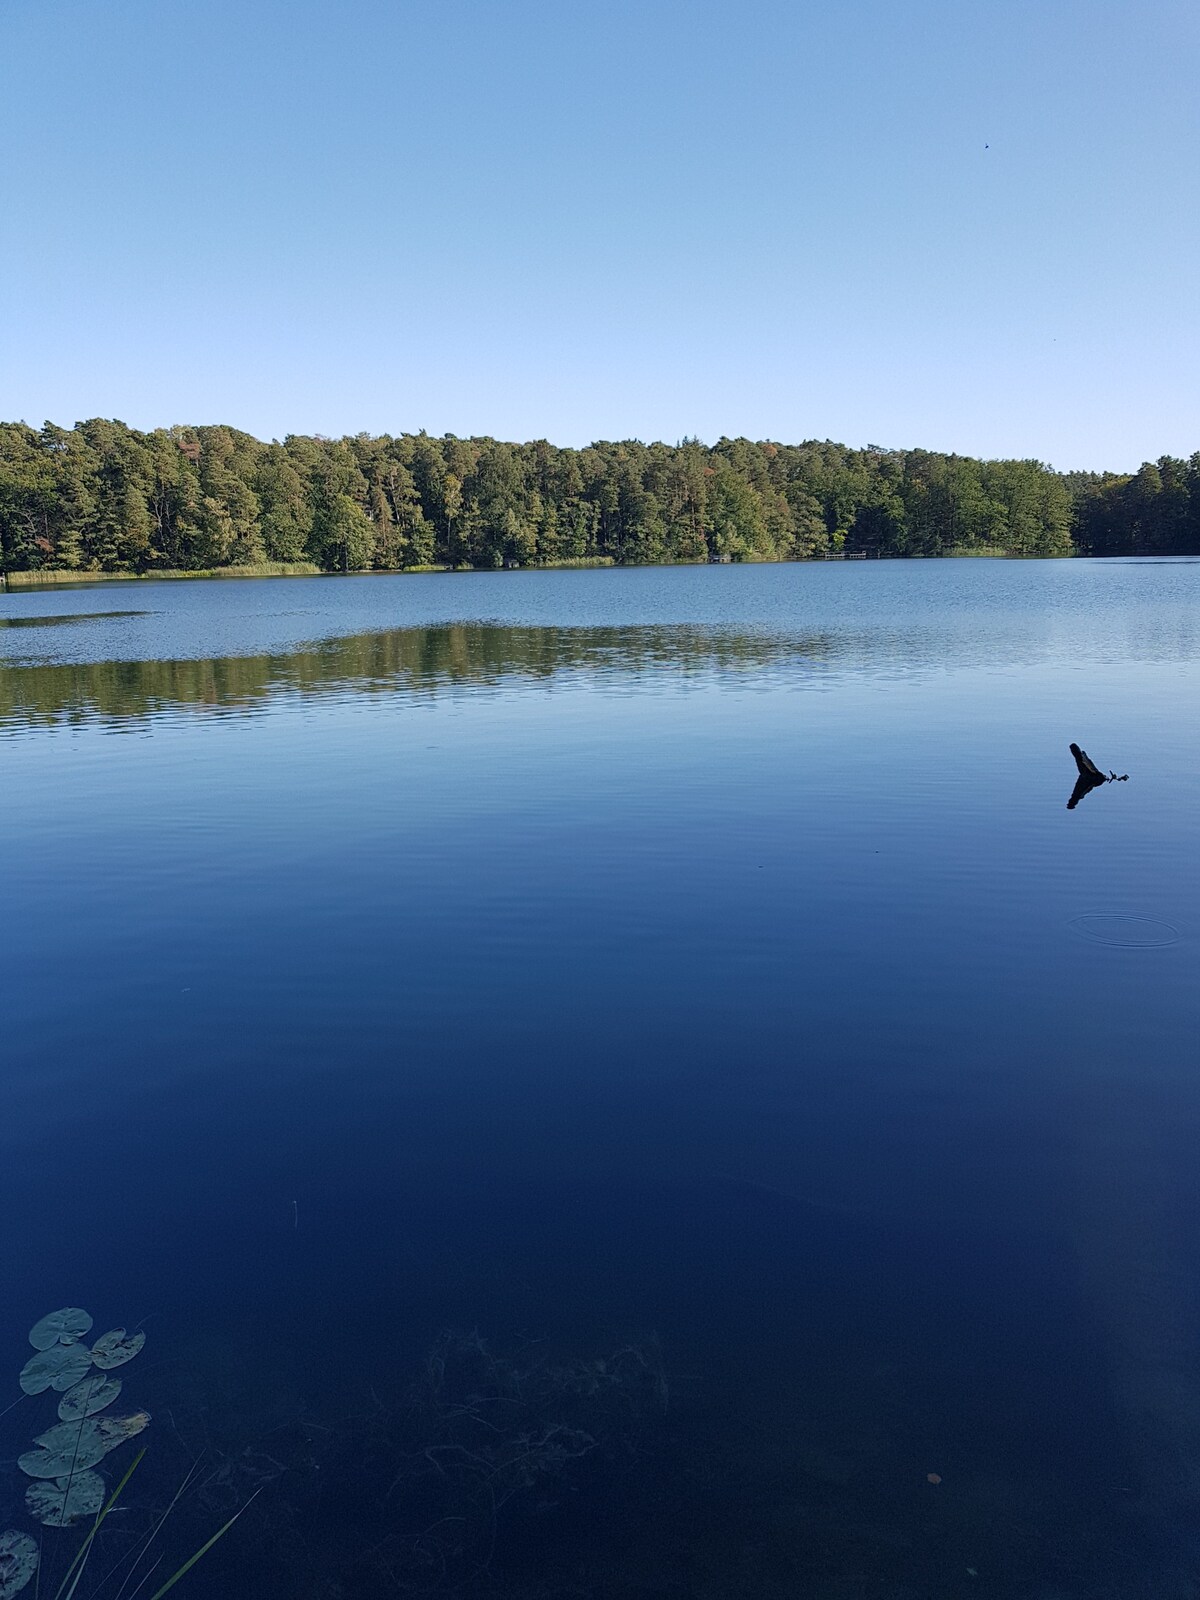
(623, 1083)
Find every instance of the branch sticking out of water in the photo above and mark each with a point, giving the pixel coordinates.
(1090, 777)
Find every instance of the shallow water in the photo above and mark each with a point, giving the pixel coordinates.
(692, 970)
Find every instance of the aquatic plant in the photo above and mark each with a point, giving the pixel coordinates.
(66, 1489)
(431, 1491)
(60, 1327)
(82, 1437)
(60, 1367)
(59, 1504)
(18, 1562)
(116, 1348)
(74, 1446)
(476, 1456)
(88, 1397)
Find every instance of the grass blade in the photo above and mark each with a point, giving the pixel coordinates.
(157, 1529)
(63, 1593)
(203, 1550)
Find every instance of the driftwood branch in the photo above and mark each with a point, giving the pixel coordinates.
(1090, 777)
(1087, 767)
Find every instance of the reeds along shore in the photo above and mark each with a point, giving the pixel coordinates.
(50, 578)
(44, 577)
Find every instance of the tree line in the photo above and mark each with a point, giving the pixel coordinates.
(105, 497)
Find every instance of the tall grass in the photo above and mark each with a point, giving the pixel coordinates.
(73, 1576)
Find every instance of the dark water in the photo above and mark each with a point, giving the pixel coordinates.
(598, 1084)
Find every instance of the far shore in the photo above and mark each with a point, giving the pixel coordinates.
(60, 578)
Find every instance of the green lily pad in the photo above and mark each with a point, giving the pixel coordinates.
(88, 1397)
(116, 1348)
(59, 1327)
(70, 1447)
(18, 1562)
(59, 1504)
(61, 1366)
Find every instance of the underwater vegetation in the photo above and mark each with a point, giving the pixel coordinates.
(487, 1442)
(66, 1488)
(480, 1466)
(476, 1473)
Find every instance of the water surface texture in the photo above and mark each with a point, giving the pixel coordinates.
(623, 1083)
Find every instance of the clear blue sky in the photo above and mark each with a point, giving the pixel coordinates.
(549, 218)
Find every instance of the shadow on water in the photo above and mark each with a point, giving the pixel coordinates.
(64, 621)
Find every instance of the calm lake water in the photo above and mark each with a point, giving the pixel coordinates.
(601, 1083)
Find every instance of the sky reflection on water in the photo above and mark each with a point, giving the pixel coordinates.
(708, 983)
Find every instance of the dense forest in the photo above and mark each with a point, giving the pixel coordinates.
(103, 497)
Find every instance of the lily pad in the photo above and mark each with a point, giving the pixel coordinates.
(116, 1348)
(59, 1327)
(70, 1447)
(88, 1397)
(18, 1562)
(59, 1504)
(117, 1429)
(61, 1366)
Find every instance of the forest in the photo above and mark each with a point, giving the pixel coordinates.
(103, 497)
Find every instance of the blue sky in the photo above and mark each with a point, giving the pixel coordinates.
(578, 221)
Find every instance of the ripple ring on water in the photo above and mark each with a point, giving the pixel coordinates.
(1126, 933)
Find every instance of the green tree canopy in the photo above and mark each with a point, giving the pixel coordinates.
(104, 497)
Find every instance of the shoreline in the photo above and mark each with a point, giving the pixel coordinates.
(58, 578)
